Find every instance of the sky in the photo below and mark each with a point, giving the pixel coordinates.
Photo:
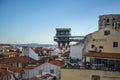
(35, 21)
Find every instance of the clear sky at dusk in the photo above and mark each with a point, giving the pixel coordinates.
(34, 21)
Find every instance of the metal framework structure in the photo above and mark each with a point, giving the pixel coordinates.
(63, 37)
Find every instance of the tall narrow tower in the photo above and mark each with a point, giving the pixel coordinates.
(63, 36)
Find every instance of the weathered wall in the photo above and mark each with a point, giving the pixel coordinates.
(99, 39)
(77, 74)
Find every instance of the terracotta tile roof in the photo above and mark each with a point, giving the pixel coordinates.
(45, 75)
(39, 49)
(4, 72)
(49, 58)
(103, 55)
(34, 78)
(12, 68)
(5, 45)
(11, 48)
(20, 59)
(57, 63)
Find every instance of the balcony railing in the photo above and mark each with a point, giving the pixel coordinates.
(91, 67)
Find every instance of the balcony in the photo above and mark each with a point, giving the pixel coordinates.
(91, 67)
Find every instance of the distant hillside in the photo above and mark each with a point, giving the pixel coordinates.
(35, 45)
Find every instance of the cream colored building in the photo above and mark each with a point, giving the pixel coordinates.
(104, 40)
(101, 53)
(75, 74)
(107, 38)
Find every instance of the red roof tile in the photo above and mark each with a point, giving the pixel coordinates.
(20, 59)
(12, 68)
(103, 55)
(45, 75)
(49, 58)
(4, 72)
(57, 63)
(5, 45)
(39, 49)
(34, 78)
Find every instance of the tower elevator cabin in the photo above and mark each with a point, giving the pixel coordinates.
(63, 36)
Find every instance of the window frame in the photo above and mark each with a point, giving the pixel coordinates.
(52, 71)
(115, 44)
(107, 32)
(40, 71)
(95, 77)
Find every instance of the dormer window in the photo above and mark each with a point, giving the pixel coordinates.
(106, 32)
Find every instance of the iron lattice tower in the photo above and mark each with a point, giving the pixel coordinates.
(63, 36)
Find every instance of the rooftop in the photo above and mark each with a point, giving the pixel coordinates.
(5, 45)
(12, 68)
(34, 78)
(63, 28)
(57, 63)
(20, 59)
(110, 15)
(4, 72)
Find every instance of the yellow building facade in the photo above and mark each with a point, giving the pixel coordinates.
(78, 74)
(105, 40)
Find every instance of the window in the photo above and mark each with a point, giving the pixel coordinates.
(93, 39)
(101, 47)
(113, 24)
(113, 19)
(92, 46)
(95, 77)
(115, 44)
(51, 71)
(107, 20)
(107, 32)
(40, 71)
